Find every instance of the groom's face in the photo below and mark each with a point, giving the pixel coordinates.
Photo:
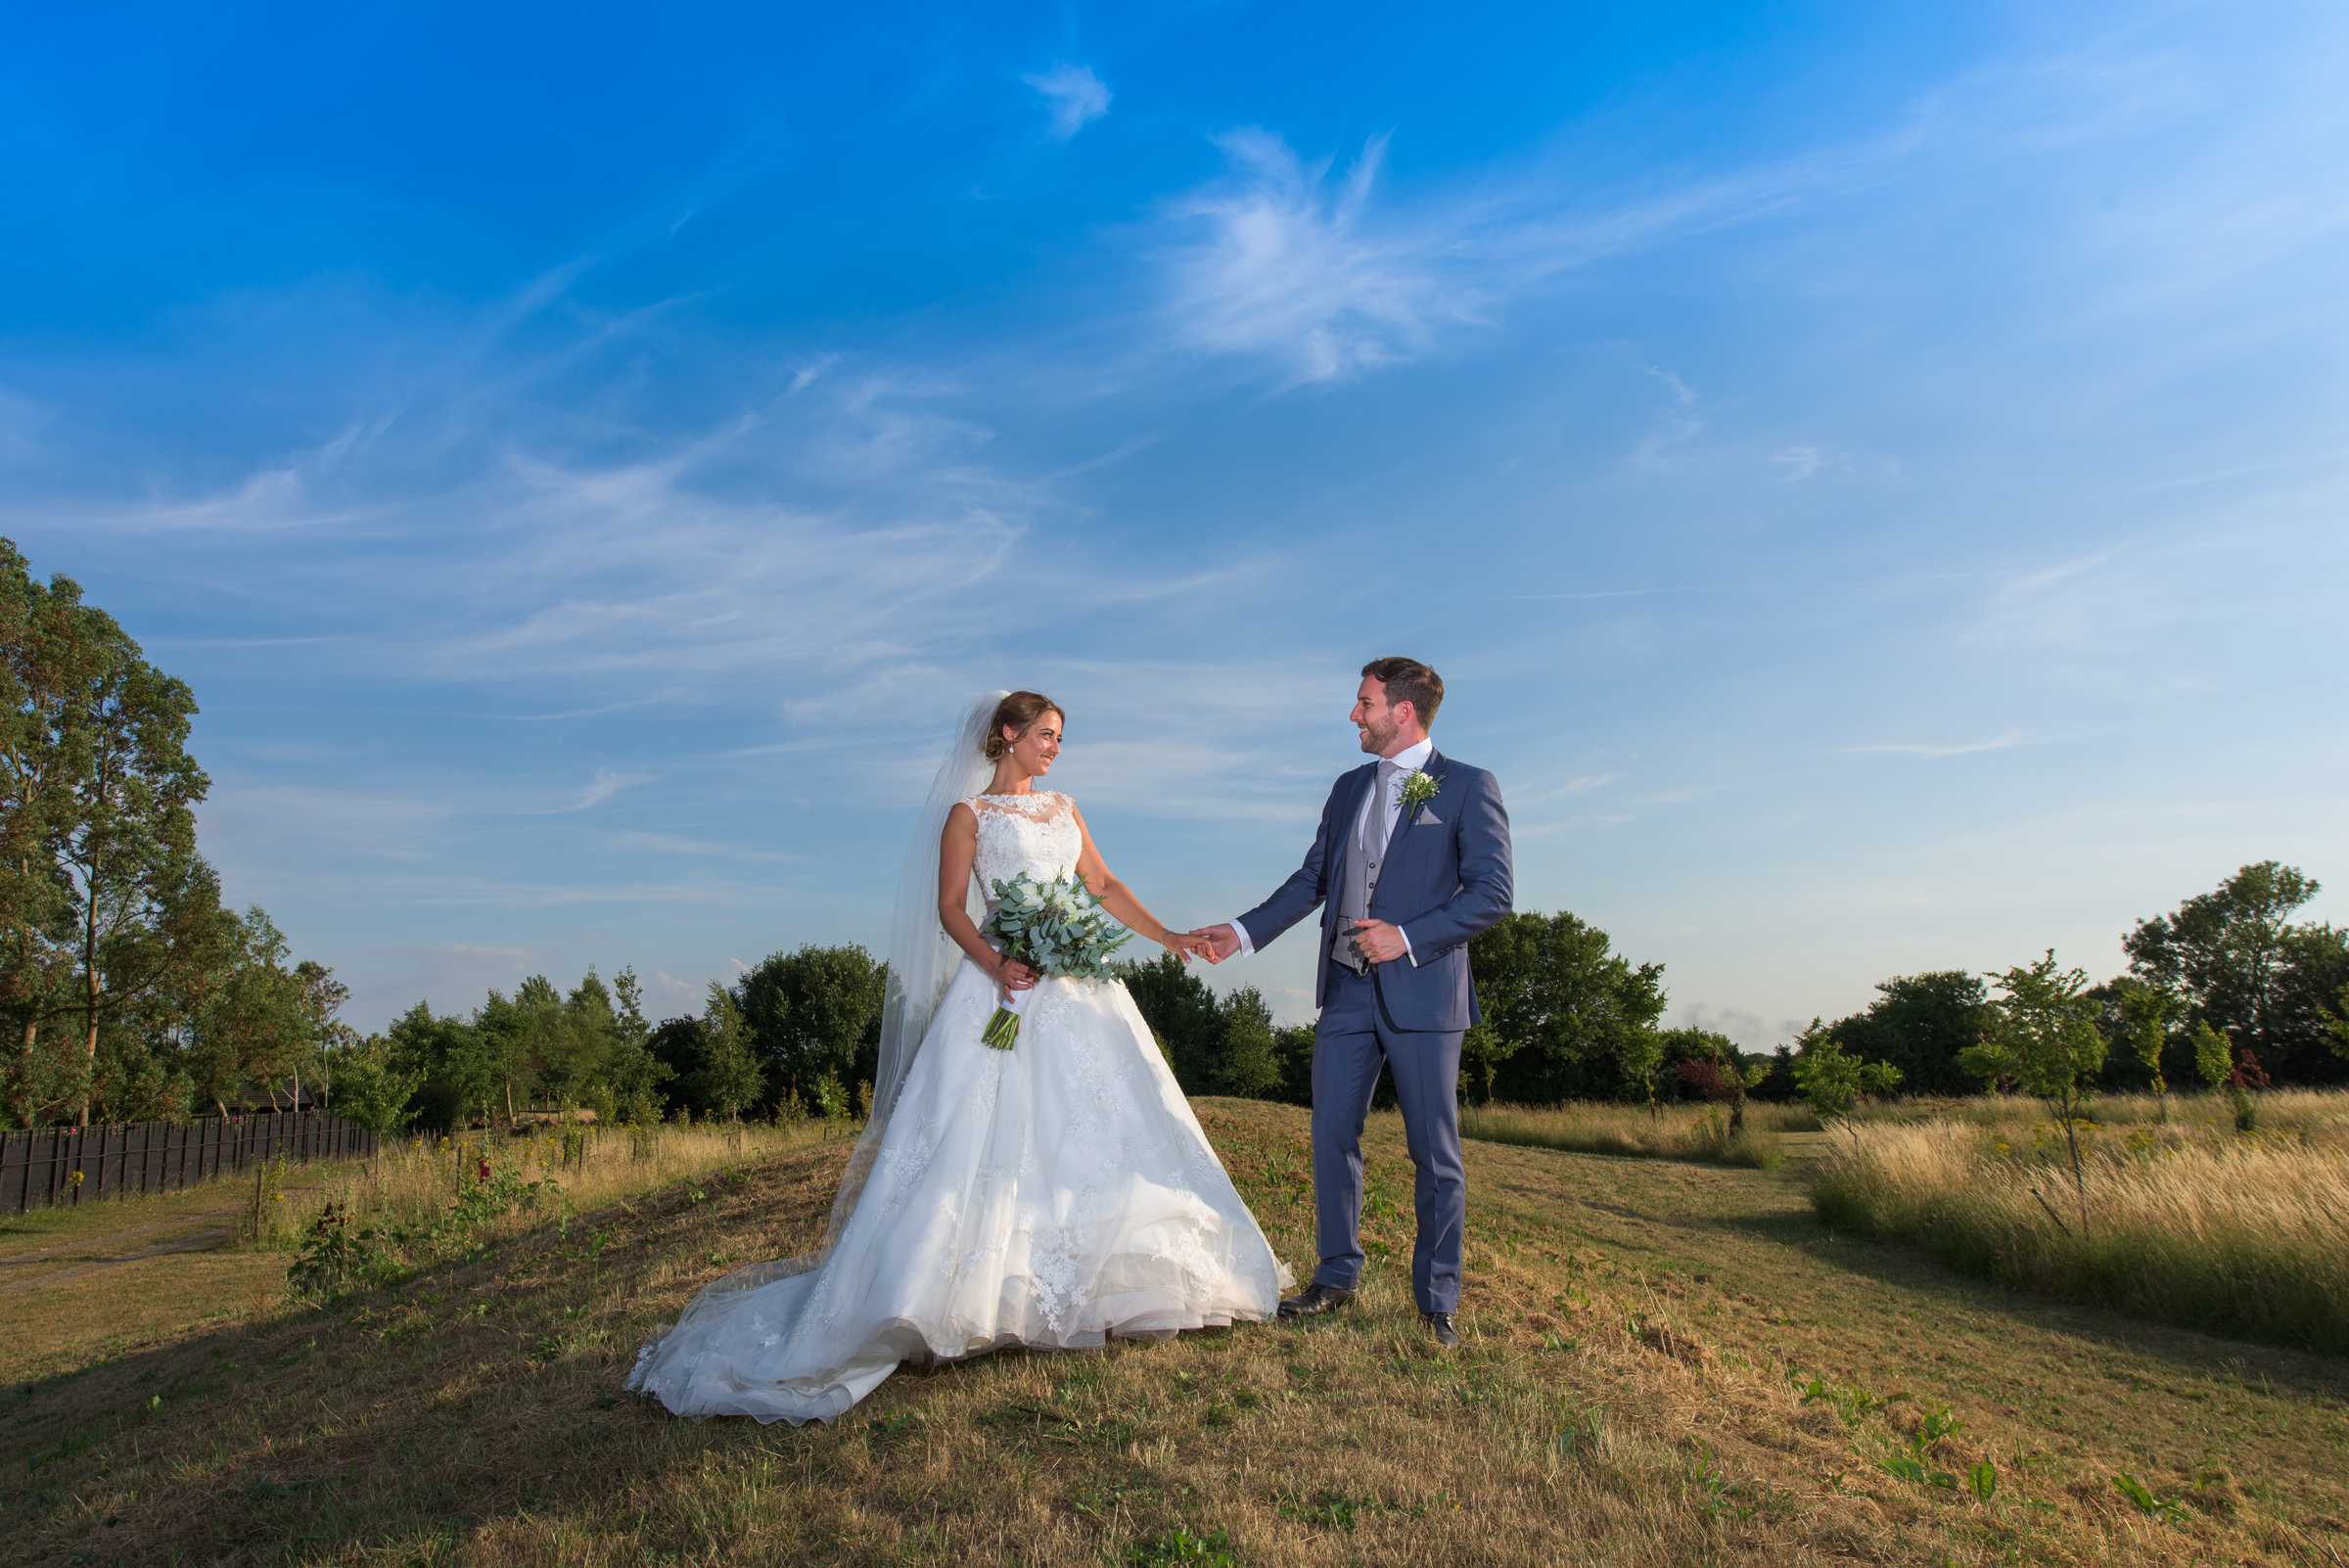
(1378, 722)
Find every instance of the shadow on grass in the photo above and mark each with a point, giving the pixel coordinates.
(406, 1416)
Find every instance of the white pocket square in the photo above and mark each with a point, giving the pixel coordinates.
(1427, 819)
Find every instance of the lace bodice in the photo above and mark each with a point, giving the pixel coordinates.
(1035, 833)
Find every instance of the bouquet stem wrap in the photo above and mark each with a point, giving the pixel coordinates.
(1003, 1029)
(1055, 927)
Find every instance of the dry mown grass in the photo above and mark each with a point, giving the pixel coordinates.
(2192, 1222)
(1623, 1395)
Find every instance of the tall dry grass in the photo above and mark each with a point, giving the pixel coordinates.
(544, 1173)
(2320, 1112)
(2191, 1223)
(1666, 1133)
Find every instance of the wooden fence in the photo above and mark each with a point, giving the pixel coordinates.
(92, 1164)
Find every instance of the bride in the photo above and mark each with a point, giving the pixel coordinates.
(1051, 1195)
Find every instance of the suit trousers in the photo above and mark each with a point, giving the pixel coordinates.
(1349, 1042)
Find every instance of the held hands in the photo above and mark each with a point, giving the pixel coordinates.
(1216, 942)
(1378, 942)
(1189, 943)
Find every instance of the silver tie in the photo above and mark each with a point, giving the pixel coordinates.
(1374, 831)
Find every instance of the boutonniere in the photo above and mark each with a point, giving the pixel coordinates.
(1420, 789)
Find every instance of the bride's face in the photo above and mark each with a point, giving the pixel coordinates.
(1036, 749)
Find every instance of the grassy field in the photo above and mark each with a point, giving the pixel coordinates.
(1663, 1363)
(2187, 1220)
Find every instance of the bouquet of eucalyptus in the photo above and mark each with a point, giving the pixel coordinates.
(1056, 927)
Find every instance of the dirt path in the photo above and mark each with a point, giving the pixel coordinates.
(78, 1270)
(134, 1230)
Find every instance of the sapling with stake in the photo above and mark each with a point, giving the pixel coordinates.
(2045, 1044)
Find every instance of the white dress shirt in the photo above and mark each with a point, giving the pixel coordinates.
(1407, 762)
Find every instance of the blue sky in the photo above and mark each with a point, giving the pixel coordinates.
(1873, 481)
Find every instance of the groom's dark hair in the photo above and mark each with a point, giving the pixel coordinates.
(1408, 680)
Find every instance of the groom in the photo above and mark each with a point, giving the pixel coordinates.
(1412, 862)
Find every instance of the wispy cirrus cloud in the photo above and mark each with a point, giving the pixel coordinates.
(1075, 95)
(1943, 749)
(1290, 266)
(1295, 261)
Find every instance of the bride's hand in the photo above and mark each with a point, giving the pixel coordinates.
(1189, 944)
(1013, 975)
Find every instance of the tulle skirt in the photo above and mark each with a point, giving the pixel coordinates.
(1051, 1195)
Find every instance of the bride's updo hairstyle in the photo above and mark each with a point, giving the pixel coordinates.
(1018, 713)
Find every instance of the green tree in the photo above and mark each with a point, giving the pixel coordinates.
(371, 1086)
(1293, 1045)
(322, 998)
(544, 1045)
(1250, 1061)
(728, 1079)
(632, 1073)
(252, 1026)
(677, 1045)
(576, 1041)
(2144, 1015)
(2047, 1043)
(1567, 1018)
(2229, 952)
(506, 1031)
(2214, 1058)
(459, 1068)
(2336, 1024)
(47, 657)
(2305, 1002)
(814, 1013)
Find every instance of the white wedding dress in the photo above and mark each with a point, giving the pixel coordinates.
(1051, 1195)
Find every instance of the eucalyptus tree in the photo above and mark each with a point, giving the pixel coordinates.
(40, 655)
(105, 897)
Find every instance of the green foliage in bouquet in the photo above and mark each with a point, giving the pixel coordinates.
(1056, 927)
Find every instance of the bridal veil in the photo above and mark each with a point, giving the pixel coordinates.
(922, 960)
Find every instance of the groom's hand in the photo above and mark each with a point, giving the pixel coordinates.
(1378, 942)
(1221, 942)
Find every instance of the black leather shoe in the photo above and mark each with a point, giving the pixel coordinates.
(1316, 1300)
(1440, 1326)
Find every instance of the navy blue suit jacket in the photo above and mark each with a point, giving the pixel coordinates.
(1447, 880)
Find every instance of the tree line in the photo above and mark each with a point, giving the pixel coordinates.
(2227, 978)
(2227, 988)
(798, 1035)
